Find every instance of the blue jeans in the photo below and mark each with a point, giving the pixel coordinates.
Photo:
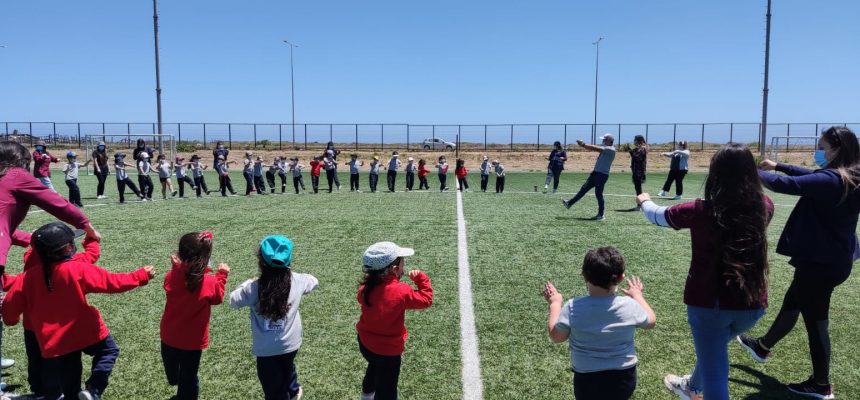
(712, 330)
(595, 181)
(47, 182)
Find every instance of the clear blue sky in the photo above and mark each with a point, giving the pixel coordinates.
(429, 62)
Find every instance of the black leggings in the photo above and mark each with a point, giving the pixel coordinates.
(605, 385)
(226, 185)
(443, 182)
(809, 295)
(200, 183)
(353, 182)
(298, 181)
(484, 180)
(283, 177)
(464, 184)
(270, 179)
(182, 181)
(329, 176)
(381, 375)
(500, 184)
(637, 184)
(249, 182)
(102, 177)
(315, 182)
(181, 368)
(422, 183)
(74, 192)
(392, 180)
(146, 186)
(556, 177)
(120, 186)
(676, 176)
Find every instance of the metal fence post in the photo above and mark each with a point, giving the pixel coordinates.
(306, 136)
(731, 132)
(565, 135)
(204, 136)
(330, 133)
(674, 136)
(703, 137)
(31, 133)
(485, 138)
(382, 136)
(230, 135)
(433, 142)
(619, 134)
(255, 136)
(538, 138)
(179, 131)
(787, 134)
(55, 132)
(816, 130)
(407, 138)
(647, 126)
(356, 137)
(280, 135)
(512, 137)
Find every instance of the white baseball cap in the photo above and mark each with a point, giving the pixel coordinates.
(382, 254)
(608, 136)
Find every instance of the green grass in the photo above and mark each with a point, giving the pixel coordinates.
(516, 242)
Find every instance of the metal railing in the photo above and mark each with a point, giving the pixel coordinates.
(382, 136)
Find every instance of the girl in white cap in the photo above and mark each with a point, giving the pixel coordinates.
(410, 174)
(276, 325)
(144, 167)
(381, 329)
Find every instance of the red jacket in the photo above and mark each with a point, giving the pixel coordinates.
(185, 323)
(62, 320)
(461, 172)
(381, 327)
(423, 171)
(19, 190)
(316, 166)
(42, 164)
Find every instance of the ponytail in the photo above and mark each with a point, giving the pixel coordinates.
(194, 251)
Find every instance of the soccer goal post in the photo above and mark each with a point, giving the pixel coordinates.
(782, 146)
(125, 143)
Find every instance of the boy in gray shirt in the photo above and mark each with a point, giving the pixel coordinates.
(597, 179)
(599, 327)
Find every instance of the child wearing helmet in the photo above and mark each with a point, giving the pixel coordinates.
(70, 170)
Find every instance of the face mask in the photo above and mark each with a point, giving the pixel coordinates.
(101, 149)
(820, 159)
(40, 149)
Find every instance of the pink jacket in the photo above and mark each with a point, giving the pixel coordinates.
(19, 190)
(42, 164)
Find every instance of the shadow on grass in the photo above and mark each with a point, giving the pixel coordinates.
(767, 386)
(587, 219)
(628, 210)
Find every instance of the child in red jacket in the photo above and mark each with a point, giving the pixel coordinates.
(316, 167)
(422, 175)
(53, 296)
(461, 172)
(191, 293)
(381, 329)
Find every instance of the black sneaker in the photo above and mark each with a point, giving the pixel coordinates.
(565, 203)
(751, 344)
(809, 388)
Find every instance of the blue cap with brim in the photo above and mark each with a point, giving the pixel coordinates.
(277, 251)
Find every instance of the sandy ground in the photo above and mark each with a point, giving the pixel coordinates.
(579, 160)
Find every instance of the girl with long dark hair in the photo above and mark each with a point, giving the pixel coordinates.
(726, 289)
(381, 328)
(276, 325)
(821, 240)
(100, 165)
(556, 158)
(191, 292)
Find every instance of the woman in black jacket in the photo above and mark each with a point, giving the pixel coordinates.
(821, 240)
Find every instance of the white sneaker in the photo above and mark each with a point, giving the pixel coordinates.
(6, 363)
(662, 193)
(545, 187)
(678, 197)
(299, 394)
(101, 197)
(598, 218)
(368, 396)
(680, 386)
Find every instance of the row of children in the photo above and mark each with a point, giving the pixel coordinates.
(60, 324)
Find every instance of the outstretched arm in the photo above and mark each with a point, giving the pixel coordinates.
(555, 301)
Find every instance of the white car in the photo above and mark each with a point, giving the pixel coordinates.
(438, 144)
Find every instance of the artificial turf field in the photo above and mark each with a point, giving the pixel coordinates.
(516, 241)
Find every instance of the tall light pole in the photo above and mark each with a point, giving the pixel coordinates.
(763, 137)
(292, 90)
(157, 74)
(596, 71)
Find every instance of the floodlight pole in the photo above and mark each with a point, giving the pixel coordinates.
(157, 75)
(596, 71)
(763, 136)
(292, 90)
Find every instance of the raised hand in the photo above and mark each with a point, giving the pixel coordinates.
(551, 294)
(767, 165)
(635, 288)
(224, 268)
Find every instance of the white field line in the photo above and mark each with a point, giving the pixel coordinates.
(622, 195)
(472, 385)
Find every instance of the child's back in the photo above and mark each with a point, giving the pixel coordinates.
(601, 331)
(185, 323)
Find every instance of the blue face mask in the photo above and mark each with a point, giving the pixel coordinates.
(40, 149)
(820, 159)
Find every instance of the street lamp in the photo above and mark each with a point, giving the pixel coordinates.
(292, 90)
(765, 90)
(157, 74)
(596, 70)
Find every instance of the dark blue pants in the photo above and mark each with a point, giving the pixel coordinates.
(410, 180)
(353, 182)
(443, 182)
(422, 183)
(605, 385)
(64, 372)
(298, 181)
(382, 374)
(181, 368)
(226, 185)
(120, 186)
(500, 184)
(259, 184)
(146, 186)
(484, 180)
(392, 179)
(595, 181)
(270, 179)
(329, 176)
(182, 181)
(374, 179)
(278, 376)
(35, 375)
(102, 177)
(556, 177)
(74, 192)
(283, 177)
(249, 181)
(315, 182)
